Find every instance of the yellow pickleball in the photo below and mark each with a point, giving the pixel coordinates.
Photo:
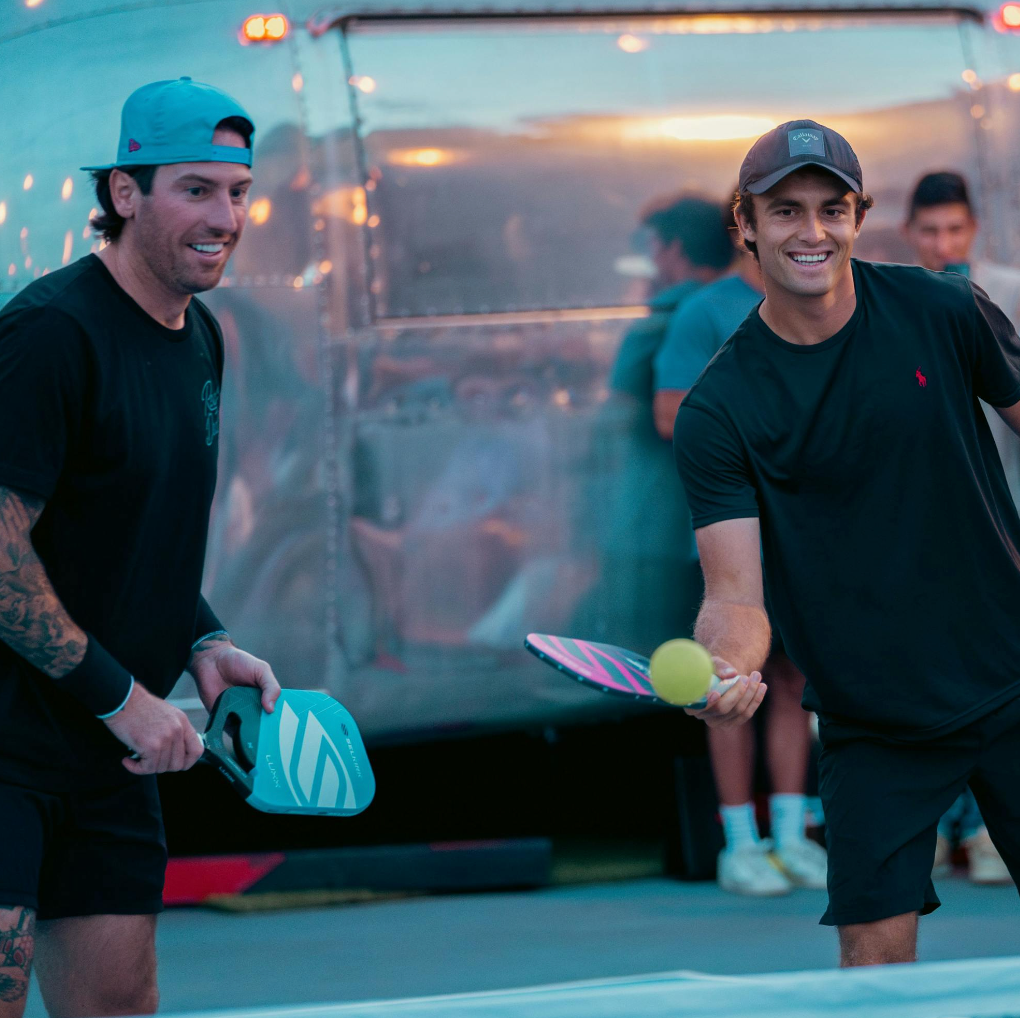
(681, 671)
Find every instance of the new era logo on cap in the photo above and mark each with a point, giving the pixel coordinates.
(806, 143)
(133, 145)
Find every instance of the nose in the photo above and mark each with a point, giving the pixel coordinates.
(812, 230)
(219, 214)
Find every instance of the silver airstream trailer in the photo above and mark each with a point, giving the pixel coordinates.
(421, 457)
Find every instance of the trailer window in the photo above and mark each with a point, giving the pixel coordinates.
(507, 165)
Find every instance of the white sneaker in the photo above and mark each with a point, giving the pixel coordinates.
(749, 870)
(984, 864)
(804, 863)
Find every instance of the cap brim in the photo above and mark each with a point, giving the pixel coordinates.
(761, 186)
(89, 169)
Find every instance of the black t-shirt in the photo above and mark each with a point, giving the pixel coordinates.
(114, 420)
(891, 544)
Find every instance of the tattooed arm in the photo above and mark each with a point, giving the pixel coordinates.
(33, 622)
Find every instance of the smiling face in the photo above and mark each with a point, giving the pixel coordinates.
(187, 227)
(804, 229)
(942, 235)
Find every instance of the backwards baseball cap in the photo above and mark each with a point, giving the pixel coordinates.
(174, 122)
(790, 146)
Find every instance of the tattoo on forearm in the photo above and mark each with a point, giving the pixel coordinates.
(214, 640)
(32, 620)
(17, 944)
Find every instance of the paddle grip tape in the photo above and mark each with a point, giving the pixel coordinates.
(98, 681)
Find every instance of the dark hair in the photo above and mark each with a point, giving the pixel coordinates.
(699, 225)
(743, 205)
(110, 223)
(944, 188)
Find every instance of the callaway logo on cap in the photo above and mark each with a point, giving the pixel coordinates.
(174, 122)
(790, 146)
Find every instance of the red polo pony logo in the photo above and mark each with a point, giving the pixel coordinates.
(921, 380)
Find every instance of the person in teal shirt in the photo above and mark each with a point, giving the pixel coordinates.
(695, 332)
(647, 589)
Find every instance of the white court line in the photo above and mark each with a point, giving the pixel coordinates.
(986, 988)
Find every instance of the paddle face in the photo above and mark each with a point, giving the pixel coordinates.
(306, 757)
(600, 665)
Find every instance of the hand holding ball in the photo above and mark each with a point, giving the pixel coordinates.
(682, 673)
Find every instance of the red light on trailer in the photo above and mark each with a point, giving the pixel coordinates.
(264, 28)
(1008, 18)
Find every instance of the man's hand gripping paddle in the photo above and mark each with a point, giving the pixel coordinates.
(306, 757)
(679, 674)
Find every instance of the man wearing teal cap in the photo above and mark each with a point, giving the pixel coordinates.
(109, 403)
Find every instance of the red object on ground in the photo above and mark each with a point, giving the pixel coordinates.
(190, 880)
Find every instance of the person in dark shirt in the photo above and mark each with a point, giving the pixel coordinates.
(109, 403)
(941, 228)
(837, 435)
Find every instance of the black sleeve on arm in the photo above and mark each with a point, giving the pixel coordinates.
(98, 681)
(712, 466)
(996, 359)
(205, 621)
(43, 375)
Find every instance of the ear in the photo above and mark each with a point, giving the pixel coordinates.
(124, 193)
(747, 231)
(864, 215)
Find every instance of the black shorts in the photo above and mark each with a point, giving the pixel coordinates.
(883, 800)
(96, 849)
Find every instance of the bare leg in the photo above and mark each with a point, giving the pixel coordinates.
(732, 754)
(98, 965)
(17, 941)
(879, 943)
(787, 726)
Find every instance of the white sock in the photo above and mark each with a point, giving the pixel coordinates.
(787, 815)
(739, 825)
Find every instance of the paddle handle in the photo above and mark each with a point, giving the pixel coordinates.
(715, 684)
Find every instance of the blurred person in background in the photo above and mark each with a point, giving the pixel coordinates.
(748, 864)
(646, 568)
(941, 229)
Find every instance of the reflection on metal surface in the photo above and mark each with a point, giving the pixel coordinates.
(632, 43)
(703, 127)
(422, 157)
(400, 499)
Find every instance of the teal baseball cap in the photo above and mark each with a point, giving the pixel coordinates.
(174, 122)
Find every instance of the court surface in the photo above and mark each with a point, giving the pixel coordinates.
(447, 945)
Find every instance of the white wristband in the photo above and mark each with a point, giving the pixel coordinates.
(123, 704)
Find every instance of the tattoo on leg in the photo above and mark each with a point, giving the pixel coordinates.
(17, 943)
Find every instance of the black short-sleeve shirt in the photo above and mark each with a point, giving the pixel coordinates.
(890, 542)
(114, 421)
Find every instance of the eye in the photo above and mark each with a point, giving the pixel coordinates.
(196, 191)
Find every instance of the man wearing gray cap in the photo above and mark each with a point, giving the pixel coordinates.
(109, 403)
(837, 436)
